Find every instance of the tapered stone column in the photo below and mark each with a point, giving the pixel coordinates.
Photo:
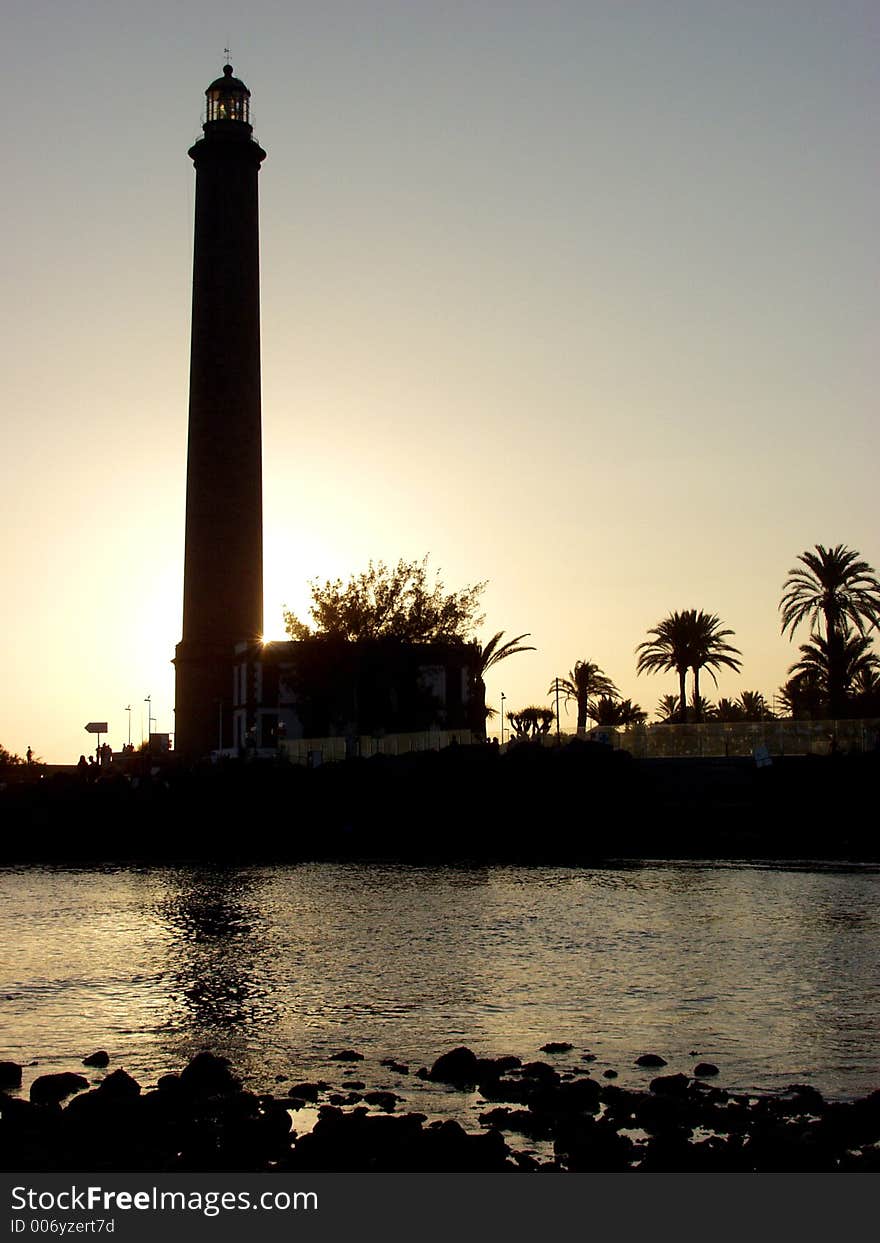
(223, 562)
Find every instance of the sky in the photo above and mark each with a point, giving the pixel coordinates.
(577, 297)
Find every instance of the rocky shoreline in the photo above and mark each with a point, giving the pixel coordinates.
(543, 1116)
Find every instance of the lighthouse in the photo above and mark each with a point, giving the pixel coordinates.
(223, 557)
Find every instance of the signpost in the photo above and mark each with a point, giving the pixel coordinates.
(99, 728)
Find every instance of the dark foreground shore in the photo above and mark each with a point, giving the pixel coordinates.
(578, 803)
(538, 1117)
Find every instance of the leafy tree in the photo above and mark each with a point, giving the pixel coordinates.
(834, 587)
(613, 712)
(8, 759)
(585, 681)
(688, 640)
(398, 603)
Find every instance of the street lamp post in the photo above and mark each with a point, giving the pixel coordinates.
(502, 717)
(128, 710)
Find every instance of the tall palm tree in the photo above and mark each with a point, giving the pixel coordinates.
(834, 586)
(689, 640)
(711, 651)
(585, 681)
(670, 649)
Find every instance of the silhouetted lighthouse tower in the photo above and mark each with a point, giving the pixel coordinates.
(223, 563)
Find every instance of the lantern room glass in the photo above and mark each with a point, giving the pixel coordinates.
(228, 105)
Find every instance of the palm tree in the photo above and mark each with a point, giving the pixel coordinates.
(710, 651)
(865, 691)
(668, 650)
(728, 710)
(802, 698)
(702, 709)
(690, 640)
(489, 654)
(753, 706)
(668, 709)
(840, 589)
(583, 682)
(849, 658)
(609, 711)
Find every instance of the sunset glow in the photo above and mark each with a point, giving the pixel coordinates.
(579, 299)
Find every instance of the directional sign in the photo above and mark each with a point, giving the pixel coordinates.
(96, 727)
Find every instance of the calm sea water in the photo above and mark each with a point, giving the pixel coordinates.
(773, 973)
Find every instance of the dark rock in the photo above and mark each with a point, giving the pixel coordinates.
(100, 1059)
(503, 1089)
(651, 1059)
(556, 1046)
(120, 1084)
(387, 1143)
(168, 1083)
(610, 1074)
(523, 1121)
(355, 1085)
(50, 1089)
(670, 1085)
(207, 1075)
(585, 1146)
(385, 1100)
(460, 1067)
(582, 1095)
(346, 1055)
(304, 1091)
(803, 1099)
(588, 1057)
(10, 1075)
(399, 1068)
(423, 1073)
(541, 1071)
(281, 1078)
(705, 1069)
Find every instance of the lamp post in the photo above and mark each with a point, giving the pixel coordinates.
(556, 684)
(502, 717)
(151, 720)
(128, 710)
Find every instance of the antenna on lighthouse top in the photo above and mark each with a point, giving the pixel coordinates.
(227, 54)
